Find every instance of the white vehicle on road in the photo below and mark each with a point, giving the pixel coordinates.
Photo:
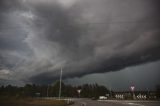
(102, 97)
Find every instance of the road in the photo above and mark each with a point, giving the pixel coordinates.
(85, 102)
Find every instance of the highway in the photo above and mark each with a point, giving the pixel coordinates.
(87, 102)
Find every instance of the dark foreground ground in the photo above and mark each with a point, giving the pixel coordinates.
(84, 102)
(12, 101)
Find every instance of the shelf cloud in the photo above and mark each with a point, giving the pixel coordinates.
(38, 37)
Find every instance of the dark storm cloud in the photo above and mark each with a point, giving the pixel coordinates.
(11, 33)
(83, 37)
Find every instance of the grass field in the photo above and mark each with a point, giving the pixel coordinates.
(12, 101)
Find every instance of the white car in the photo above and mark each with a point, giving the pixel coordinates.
(102, 97)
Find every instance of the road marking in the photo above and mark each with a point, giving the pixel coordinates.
(133, 104)
(124, 102)
(83, 103)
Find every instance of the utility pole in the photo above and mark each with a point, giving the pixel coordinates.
(110, 91)
(47, 90)
(60, 85)
(47, 86)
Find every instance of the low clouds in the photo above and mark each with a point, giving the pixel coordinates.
(83, 37)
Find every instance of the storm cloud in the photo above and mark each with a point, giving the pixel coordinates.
(38, 37)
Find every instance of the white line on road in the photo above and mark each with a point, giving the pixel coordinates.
(133, 104)
(124, 102)
(83, 103)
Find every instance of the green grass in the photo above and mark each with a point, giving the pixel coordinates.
(12, 101)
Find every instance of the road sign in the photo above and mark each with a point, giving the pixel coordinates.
(79, 91)
(132, 88)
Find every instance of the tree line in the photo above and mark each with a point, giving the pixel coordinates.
(87, 91)
(33, 90)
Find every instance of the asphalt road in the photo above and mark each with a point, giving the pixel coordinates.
(85, 102)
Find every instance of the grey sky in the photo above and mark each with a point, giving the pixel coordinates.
(37, 37)
(143, 77)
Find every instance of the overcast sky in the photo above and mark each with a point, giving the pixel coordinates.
(120, 38)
